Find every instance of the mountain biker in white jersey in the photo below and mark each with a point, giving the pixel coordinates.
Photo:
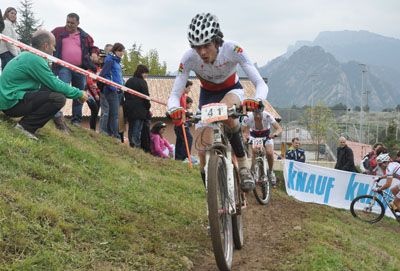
(214, 61)
(258, 124)
(392, 172)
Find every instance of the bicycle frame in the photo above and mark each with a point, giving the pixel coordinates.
(386, 197)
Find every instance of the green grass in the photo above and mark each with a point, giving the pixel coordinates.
(332, 239)
(87, 202)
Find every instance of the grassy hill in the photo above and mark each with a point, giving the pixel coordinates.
(86, 202)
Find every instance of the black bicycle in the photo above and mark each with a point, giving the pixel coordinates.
(371, 208)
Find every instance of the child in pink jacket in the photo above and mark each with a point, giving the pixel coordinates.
(159, 144)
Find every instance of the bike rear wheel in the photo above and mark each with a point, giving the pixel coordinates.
(262, 192)
(367, 208)
(237, 224)
(218, 212)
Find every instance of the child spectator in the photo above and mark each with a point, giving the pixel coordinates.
(180, 148)
(159, 144)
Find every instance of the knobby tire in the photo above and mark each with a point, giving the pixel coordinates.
(262, 191)
(237, 224)
(360, 208)
(218, 216)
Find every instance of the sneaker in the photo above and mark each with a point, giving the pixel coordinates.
(246, 180)
(61, 125)
(271, 177)
(25, 132)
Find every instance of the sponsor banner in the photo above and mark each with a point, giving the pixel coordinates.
(336, 188)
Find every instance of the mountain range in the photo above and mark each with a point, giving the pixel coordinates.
(337, 67)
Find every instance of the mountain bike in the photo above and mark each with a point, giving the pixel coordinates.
(262, 192)
(369, 208)
(224, 198)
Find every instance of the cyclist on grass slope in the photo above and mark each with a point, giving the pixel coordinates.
(392, 171)
(258, 124)
(214, 61)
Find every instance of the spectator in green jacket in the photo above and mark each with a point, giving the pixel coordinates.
(29, 89)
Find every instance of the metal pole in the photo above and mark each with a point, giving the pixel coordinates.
(361, 102)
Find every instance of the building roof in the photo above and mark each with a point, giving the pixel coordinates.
(160, 88)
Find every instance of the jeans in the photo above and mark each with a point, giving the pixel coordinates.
(180, 148)
(79, 81)
(135, 132)
(113, 100)
(104, 114)
(5, 58)
(37, 108)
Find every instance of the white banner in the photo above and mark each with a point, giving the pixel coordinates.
(336, 188)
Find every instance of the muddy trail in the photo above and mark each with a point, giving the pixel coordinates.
(266, 235)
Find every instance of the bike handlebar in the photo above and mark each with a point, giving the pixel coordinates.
(233, 112)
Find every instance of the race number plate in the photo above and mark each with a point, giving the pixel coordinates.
(214, 112)
(258, 142)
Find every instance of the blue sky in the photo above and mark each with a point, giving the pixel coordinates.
(264, 28)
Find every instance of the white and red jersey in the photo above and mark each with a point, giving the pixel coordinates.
(267, 121)
(393, 170)
(219, 75)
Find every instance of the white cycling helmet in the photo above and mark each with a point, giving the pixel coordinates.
(203, 28)
(383, 157)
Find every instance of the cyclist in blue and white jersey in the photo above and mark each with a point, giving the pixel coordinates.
(214, 61)
(392, 172)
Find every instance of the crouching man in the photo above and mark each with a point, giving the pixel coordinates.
(29, 89)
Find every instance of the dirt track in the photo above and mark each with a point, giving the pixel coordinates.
(266, 231)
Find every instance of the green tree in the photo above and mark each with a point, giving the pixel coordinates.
(131, 59)
(152, 61)
(134, 56)
(320, 122)
(389, 138)
(27, 24)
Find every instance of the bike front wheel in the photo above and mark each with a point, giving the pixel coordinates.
(262, 191)
(237, 224)
(367, 208)
(218, 212)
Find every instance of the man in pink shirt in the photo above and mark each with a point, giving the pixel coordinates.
(74, 46)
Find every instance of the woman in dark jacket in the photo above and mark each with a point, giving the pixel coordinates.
(137, 109)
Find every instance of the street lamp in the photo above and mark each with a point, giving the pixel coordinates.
(363, 71)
